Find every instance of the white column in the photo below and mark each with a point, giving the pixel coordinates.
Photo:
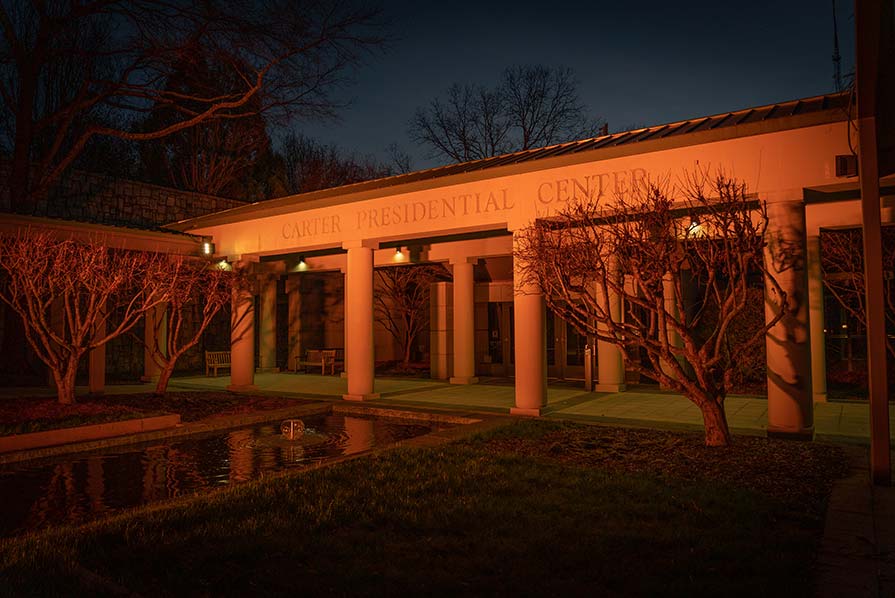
(96, 361)
(610, 357)
(359, 322)
(464, 321)
(242, 340)
(530, 318)
(267, 326)
(293, 292)
(441, 348)
(673, 309)
(788, 343)
(345, 332)
(816, 320)
(156, 334)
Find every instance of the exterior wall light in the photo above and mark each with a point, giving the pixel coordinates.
(694, 226)
(302, 264)
(207, 248)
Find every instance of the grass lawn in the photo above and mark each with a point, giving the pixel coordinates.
(534, 508)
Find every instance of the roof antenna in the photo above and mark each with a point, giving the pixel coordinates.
(837, 59)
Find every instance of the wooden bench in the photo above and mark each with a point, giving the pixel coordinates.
(321, 358)
(215, 360)
(339, 362)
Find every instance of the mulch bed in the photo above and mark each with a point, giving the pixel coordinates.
(398, 369)
(799, 474)
(32, 414)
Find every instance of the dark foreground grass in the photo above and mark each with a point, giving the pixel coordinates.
(489, 516)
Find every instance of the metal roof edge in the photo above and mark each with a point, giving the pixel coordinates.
(391, 185)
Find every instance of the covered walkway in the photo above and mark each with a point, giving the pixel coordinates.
(639, 406)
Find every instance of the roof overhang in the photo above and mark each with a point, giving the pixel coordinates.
(847, 190)
(113, 237)
(629, 143)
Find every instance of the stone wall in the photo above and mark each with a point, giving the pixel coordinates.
(88, 197)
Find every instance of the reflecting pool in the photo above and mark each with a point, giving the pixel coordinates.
(78, 488)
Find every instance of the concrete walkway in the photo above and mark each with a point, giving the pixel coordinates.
(857, 554)
(640, 406)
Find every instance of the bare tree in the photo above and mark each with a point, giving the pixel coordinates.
(469, 124)
(311, 165)
(64, 292)
(543, 105)
(400, 161)
(214, 158)
(532, 106)
(196, 292)
(118, 55)
(842, 261)
(641, 249)
(401, 301)
(218, 157)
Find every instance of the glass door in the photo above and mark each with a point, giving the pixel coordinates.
(500, 338)
(573, 366)
(565, 349)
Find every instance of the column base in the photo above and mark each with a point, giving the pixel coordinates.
(343, 375)
(784, 434)
(820, 397)
(242, 387)
(527, 411)
(610, 387)
(267, 370)
(365, 397)
(464, 380)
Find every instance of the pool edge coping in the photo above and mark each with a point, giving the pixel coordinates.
(182, 430)
(178, 431)
(86, 433)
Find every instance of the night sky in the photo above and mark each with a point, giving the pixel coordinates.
(638, 63)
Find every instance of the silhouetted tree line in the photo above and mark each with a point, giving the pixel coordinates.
(82, 83)
(529, 107)
(185, 94)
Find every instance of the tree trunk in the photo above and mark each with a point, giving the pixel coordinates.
(715, 421)
(164, 377)
(65, 384)
(407, 348)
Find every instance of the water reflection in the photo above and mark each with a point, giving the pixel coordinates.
(77, 489)
(241, 456)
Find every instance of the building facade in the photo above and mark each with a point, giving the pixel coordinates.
(793, 156)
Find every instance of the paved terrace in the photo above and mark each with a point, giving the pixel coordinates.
(644, 406)
(641, 405)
